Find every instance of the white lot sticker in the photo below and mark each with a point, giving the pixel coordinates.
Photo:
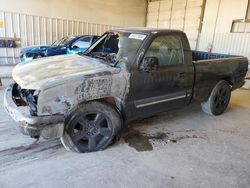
(137, 36)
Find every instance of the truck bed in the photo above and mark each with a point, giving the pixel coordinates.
(212, 67)
(199, 55)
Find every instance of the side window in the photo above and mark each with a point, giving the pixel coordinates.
(85, 39)
(82, 42)
(168, 50)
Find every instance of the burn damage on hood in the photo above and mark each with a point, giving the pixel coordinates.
(43, 73)
(61, 83)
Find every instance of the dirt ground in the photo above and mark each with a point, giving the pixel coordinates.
(184, 148)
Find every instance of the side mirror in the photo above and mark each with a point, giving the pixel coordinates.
(149, 64)
(74, 47)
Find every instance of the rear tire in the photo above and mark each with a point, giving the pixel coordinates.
(218, 99)
(91, 127)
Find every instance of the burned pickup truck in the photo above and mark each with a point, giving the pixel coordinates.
(127, 74)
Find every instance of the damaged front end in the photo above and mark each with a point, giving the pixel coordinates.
(25, 97)
(21, 105)
(45, 93)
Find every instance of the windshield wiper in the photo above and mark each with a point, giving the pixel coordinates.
(83, 53)
(100, 57)
(112, 59)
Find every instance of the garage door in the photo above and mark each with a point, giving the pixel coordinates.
(185, 15)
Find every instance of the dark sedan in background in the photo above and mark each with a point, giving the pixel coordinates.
(66, 45)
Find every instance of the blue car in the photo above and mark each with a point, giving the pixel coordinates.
(66, 45)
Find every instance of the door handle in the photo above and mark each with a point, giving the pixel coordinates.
(181, 74)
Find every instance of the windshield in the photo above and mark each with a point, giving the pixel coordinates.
(116, 46)
(63, 41)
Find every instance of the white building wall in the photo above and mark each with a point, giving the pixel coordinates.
(42, 22)
(109, 12)
(184, 15)
(216, 28)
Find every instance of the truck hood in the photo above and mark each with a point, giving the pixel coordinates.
(50, 71)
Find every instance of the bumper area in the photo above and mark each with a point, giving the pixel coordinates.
(34, 126)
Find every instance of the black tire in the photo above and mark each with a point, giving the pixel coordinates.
(37, 56)
(218, 99)
(91, 127)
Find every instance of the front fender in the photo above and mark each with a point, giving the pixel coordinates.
(61, 99)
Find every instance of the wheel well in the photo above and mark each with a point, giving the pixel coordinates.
(229, 80)
(115, 103)
(204, 95)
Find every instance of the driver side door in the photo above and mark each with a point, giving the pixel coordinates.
(164, 87)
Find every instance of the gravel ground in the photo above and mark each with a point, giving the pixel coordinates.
(184, 148)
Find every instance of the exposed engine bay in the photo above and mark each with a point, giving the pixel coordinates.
(25, 97)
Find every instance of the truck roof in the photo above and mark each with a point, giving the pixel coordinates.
(79, 36)
(146, 30)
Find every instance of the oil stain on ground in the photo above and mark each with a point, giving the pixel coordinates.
(141, 141)
(137, 140)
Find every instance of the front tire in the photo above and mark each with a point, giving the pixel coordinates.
(218, 99)
(91, 127)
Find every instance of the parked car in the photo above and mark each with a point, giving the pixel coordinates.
(127, 74)
(66, 45)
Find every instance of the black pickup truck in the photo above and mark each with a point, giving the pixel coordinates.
(127, 74)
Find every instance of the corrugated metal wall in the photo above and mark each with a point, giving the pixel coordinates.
(217, 24)
(228, 43)
(38, 30)
(185, 15)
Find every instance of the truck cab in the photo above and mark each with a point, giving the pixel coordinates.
(163, 75)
